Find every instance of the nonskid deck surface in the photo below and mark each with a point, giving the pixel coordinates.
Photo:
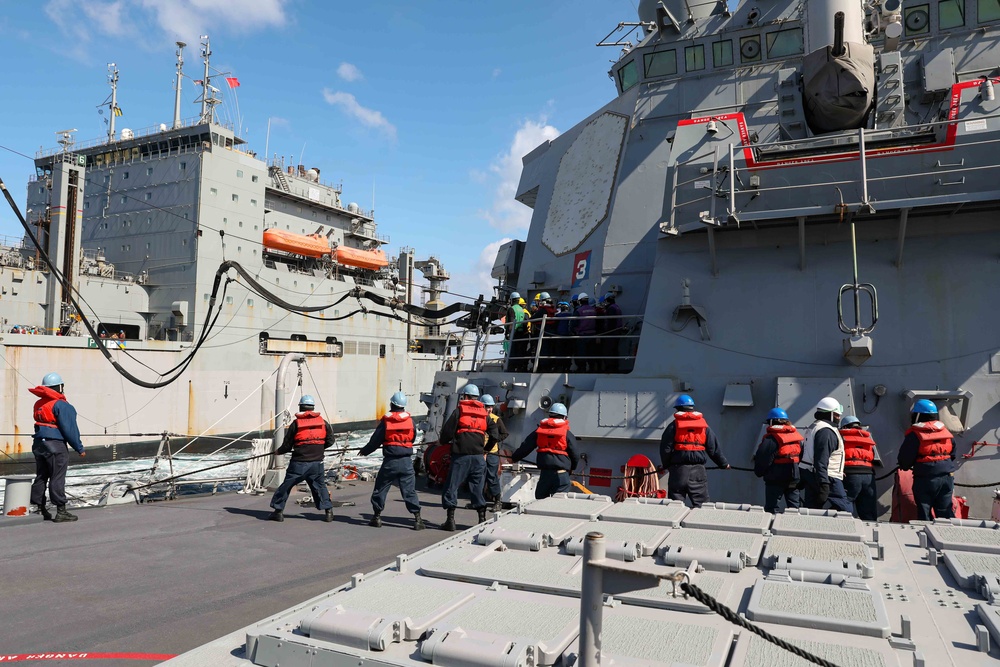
(169, 576)
(507, 593)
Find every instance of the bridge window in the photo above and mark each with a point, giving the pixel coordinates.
(951, 14)
(694, 58)
(989, 10)
(749, 49)
(917, 19)
(627, 76)
(785, 43)
(661, 63)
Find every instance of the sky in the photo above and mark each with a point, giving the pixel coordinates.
(423, 109)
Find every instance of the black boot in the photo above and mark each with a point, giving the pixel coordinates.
(376, 521)
(482, 514)
(62, 515)
(328, 517)
(418, 523)
(449, 524)
(276, 515)
(497, 505)
(46, 514)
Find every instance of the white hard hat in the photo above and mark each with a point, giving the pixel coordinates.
(830, 404)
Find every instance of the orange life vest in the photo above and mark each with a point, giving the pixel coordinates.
(44, 416)
(399, 431)
(471, 417)
(310, 429)
(551, 434)
(691, 432)
(789, 443)
(858, 447)
(935, 441)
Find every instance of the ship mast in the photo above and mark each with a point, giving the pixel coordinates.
(208, 98)
(113, 110)
(177, 86)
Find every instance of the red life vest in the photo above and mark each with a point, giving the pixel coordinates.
(43, 413)
(858, 447)
(789, 443)
(935, 441)
(399, 431)
(471, 417)
(310, 429)
(551, 434)
(691, 432)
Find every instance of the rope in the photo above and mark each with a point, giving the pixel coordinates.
(257, 467)
(731, 616)
(977, 486)
(888, 474)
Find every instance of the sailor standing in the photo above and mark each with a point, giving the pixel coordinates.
(395, 435)
(305, 438)
(466, 430)
(859, 475)
(685, 447)
(929, 449)
(492, 490)
(55, 428)
(556, 448)
(777, 461)
(822, 465)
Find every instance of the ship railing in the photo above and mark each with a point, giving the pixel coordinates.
(588, 344)
(849, 192)
(136, 134)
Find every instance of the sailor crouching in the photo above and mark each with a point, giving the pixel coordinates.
(306, 438)
(822, 465)
(556, 448)
(55, 428)
(395, 435)
(685, 447)
(467, 430)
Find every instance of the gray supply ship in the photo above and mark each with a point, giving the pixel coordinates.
(791, 200)
(135, 227)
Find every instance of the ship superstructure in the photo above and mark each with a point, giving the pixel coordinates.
(139, 223)
(790, 200)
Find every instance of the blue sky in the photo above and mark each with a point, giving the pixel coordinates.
(433, 102)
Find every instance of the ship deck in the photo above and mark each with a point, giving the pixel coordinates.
(165, 577)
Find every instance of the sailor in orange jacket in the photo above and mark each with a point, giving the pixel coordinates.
(777, 461)
(685, 447)
(859, 474)
(929, 449)
(395, 435)
(55, 428)
(556, 448)
(306, 438)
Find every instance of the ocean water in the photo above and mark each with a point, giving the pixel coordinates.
(85, 483)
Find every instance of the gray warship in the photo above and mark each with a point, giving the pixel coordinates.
(790, 200)
(135, 226)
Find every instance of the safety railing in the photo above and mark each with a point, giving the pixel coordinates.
(559, 344)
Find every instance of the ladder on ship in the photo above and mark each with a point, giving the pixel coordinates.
(279, 176)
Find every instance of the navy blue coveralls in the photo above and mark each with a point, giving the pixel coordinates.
(306, 464)
(397, 466)
(49, 446)
(553, 469)
(468, 460)
(688, 478)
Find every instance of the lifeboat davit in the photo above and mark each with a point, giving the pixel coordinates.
(362, 259)
(307, 245)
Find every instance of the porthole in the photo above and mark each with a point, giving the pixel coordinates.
(750, 49)
(918, 20)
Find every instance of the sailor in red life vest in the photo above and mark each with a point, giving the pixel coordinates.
(929, 449)
(467, 430)
(55, 428)
(685, 448)
(395, 435)
(859, 475)
(777, 461)
(305, 438)
(556, 448)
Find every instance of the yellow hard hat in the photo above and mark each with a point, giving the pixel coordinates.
(538, 296)
(520, 302)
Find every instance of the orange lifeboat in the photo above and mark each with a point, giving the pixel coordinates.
(362, 259)
(311, 245)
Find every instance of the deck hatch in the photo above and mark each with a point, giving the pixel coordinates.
(830, 525)
(571, 505)
(528, 532)
(625, 541)
(852, 610)
(647, 511)
(984, 538)
(725, 516)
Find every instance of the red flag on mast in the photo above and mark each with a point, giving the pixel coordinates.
(233, 82)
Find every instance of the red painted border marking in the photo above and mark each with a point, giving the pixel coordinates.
(83, 655)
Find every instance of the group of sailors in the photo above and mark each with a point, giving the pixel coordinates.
(578, 335)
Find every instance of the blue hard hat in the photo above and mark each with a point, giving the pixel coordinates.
(514, 296)
(52, 380)
(576, 297)
(610, 296)
(847, 420)
(488, 400)
(563, 303)
(777, 413)
(558, 409)
(307, 399)
(921, 407)
(398, 399)
(684, 401)
(470, 390)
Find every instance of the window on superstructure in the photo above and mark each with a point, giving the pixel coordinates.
(184, 166)
(989, 10)
(239, 248)
(86, 204)
(254, 178)
(722, 53)
(149, 171)
(253, 202)
(241, 223)
(694, 58)
(213, 191)
(951, 14)
(660, 63)
(236, 197)
(785, 43)
(229, 300)
(125, 176)
(149, 195)
(123, 199)
(628, 76)
(239, 173)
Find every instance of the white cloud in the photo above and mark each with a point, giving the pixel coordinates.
(367, 117)
(506, 213)
(496, 72)
(349, 72)
(475, 279)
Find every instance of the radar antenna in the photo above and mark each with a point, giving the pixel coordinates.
(66, 138)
